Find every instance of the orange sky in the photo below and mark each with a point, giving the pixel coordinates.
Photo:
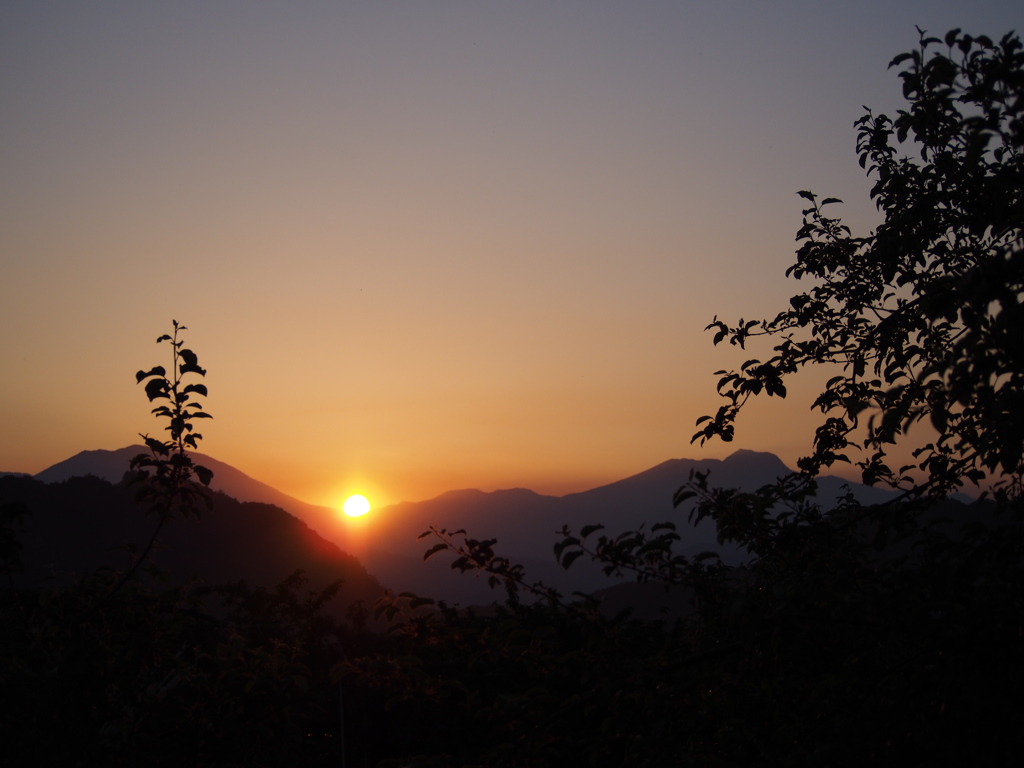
(420, 246)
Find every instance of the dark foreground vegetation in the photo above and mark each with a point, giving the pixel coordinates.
(856, 635)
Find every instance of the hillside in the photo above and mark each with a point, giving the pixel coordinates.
(111, 466)
(86, 522)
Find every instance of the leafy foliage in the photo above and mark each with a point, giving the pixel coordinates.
(155, 677)
(165, 474)
(923, 316)
(479, 555)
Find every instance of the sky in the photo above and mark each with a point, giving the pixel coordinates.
(422, 246)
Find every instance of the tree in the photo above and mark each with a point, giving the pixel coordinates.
(923, 316)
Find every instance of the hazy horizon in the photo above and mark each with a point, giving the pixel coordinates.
(421, 247)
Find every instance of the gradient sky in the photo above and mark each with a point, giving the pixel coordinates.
(421, 246)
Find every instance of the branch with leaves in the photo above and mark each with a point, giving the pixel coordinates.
(478, 555)
(164, 475)
(922, 317)
(166, 472)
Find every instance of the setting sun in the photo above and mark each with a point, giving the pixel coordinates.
(356, 506)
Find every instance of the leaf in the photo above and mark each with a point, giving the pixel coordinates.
(570, 557)
(706, 555)
(158, 371)
(204, 474)
(434, 550)
(156, 446)
(156, 388)
(682, 495)
(589, 529)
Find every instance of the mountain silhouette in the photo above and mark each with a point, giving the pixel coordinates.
(83, 523)
(525, 523)
(111, 466)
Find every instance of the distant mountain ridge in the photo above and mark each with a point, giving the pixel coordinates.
(524, 523)
(110, 465)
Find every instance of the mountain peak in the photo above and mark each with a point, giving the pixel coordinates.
(761, 459)
(101, 463)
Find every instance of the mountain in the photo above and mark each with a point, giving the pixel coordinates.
(111, 466)
(82, 523)
(524, 523)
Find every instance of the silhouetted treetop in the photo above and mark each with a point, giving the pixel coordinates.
(923, 316)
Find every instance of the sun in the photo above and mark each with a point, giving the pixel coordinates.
(356, 505)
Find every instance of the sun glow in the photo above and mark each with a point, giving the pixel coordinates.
(356, 505)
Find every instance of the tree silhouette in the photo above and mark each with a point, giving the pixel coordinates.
(921, 318)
